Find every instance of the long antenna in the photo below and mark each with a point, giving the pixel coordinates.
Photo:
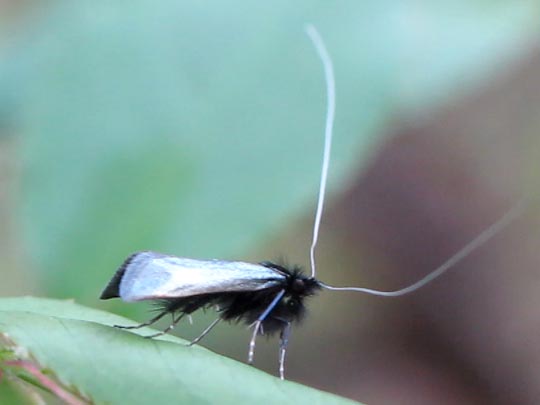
(330, 112)
(477, 242)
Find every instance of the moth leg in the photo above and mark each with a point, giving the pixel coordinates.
(251, 353)
(258, 323)
(283, 342)
(147, 323)
(204, 332)
(168, 328)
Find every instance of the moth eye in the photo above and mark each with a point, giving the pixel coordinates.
(298, 285)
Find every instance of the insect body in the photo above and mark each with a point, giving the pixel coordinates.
(266, 295)
(241, 291)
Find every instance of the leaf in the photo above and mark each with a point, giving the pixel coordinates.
(113, 366)
(196, 128)
(10, 394)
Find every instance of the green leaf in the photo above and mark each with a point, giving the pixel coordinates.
(112, 366)
(196, 128)
(11, 395)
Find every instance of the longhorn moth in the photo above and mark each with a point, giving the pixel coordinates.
(267, 296)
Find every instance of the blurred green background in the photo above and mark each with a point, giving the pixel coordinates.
(196, 129)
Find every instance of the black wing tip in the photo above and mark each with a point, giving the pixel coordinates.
(113, 288)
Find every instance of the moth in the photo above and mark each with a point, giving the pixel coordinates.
(267, 296)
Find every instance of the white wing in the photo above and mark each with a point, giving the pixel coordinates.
(151, 275)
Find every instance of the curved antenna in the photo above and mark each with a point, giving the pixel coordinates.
(477, 242)
(330, 112)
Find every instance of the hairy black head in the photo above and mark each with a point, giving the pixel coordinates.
(291, 308)
(298, 284)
